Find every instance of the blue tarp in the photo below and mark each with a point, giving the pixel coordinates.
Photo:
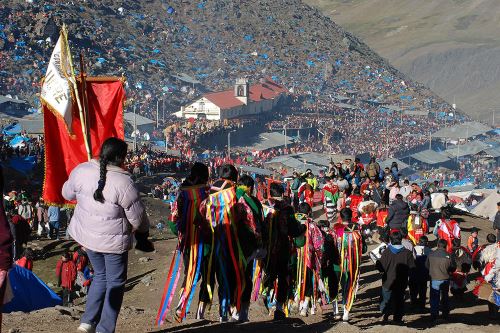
(17, 140)
(23, 164)
(203, 156)
(12, 129)
(30, 293)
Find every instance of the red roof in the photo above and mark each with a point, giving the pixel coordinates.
(267, 90)
(224, 99)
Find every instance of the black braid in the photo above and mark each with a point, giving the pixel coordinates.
(103, 163)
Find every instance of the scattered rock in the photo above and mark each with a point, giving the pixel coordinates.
(67, 311)
(130, 310)
(50, 285)
(147, 280)
(145, 259)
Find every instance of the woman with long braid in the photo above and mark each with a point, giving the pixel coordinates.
(108, 211)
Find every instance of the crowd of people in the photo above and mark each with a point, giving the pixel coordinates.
(260, 238)
(263, 241)
(24, 146)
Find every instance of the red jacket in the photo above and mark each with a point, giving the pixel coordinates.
(355, 201)
(25, 263)
(382, 217)
(449, 230)
(66, 273)
(80, 261)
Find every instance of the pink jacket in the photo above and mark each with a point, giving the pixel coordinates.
(104, 227)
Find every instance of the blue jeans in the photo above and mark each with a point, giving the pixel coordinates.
(439, 296)
(393, 302)
(105, 295)
(54, 229)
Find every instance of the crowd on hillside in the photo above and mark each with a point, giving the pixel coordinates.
(322, 68)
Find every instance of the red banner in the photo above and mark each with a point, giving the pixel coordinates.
(64, 153)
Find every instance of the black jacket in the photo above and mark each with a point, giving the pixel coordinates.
(398, 215)
(284, 227)
(440, 264)
(496, 222)
(395, 264)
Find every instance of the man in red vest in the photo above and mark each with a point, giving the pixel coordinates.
(448, 229)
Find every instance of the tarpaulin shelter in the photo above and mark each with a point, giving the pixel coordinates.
(468, 149)
(13, 129)
(29, 292)
(430, 157)
(462, 131)
(17, 141)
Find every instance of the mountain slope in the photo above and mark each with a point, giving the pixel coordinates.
(213, 41)
(450, 45)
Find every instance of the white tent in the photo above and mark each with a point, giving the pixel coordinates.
(488, 207)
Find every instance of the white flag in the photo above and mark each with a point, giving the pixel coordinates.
(57, 87)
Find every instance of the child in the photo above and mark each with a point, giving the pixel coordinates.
(84, 279)
(27, 260)
(80, 259)
(473, 242)
(66, 274)
(420, 276)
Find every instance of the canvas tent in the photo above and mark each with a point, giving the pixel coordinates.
(430, 157)
(270, 140)
(254, 170)
(488, 207)
(468, 149)
(462, 131)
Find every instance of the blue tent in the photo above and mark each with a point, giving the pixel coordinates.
(12, 129)
(30, 293)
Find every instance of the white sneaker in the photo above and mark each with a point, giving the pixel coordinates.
(200, 313)
(345, 317)
(86, 328)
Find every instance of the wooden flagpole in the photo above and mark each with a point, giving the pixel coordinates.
(76, 94)
(86, 117)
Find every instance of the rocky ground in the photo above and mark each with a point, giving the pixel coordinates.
(147, 274)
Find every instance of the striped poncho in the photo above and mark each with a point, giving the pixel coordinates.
(351, 247)
(186, 220)
(225, 249)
